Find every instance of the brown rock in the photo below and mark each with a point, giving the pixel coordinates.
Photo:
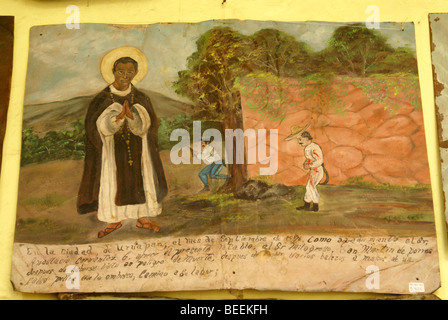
(253, 170)
(398, 146)
(384, 165)
(249, 123)
(300, 118)
(374, 115)
(298, 161)
(423, 176)
(318, 135)
(263, 135)
(417, 117)
(321, 121)
(419, 153)
(344, 136)
(264, 139)
(350, 88)
(402, 107)
(291, 177)
(346, 119)
(362, 129)
(399, 125)
(280, 164)
(291, 147)
(343, 157)
(263, 124)
(358, 171)
(356, 100)
(327, 146)
(283, 162)
(419, 138)
(336, 175)
(416, 165)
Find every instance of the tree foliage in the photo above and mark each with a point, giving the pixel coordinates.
(355, 48)
(402, 60)
(279, 53)
(220, 58)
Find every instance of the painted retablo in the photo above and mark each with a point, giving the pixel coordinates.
(438, 29)
(224, 155)
(6, 58)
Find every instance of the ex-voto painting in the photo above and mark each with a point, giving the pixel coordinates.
(438, 23)
(224, 155)
(6, 60)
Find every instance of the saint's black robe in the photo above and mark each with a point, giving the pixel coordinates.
(130, 187)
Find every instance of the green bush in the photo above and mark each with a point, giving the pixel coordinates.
(70, 144)
(62, 145)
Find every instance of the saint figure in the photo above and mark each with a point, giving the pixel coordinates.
(123, 174)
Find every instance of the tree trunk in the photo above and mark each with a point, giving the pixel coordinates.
(237, 171)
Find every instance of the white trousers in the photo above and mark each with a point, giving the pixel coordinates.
(311, 193)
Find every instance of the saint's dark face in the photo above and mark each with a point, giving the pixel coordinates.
(124, 74)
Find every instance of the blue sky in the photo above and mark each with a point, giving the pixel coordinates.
(64, 63)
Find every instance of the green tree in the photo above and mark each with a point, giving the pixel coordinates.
(402, 60)
(354, 49)
(280, 54)
(209, 81)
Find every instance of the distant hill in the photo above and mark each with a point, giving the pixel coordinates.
(54, 116)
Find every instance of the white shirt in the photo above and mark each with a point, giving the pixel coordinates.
(314, 155)
(120, 93)
(209, 155)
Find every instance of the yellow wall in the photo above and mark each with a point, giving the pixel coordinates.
(40, 12)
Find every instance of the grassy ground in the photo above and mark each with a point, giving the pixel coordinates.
(47, 211)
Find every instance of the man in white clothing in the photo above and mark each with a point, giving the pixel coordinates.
(314, 164)
(314, 160)
(213, 161)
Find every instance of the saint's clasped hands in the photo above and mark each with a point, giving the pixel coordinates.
(126, 112)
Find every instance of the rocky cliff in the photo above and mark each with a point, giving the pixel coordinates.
(361, 140)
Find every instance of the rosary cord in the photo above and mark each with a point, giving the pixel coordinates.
(125, 132)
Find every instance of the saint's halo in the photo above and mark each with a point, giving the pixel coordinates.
(107, 63)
